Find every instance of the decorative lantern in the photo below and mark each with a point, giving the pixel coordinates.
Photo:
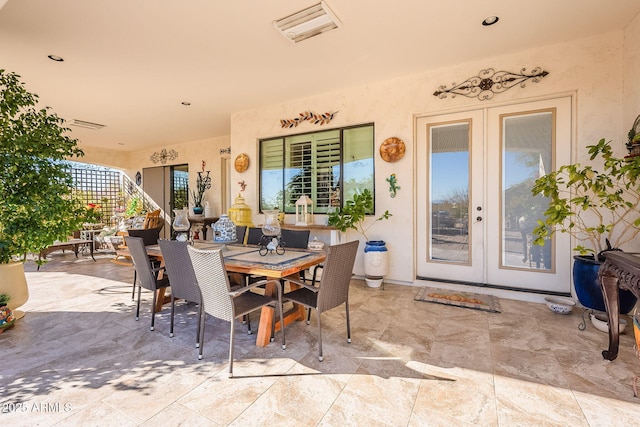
(304, 210)
(240, 212)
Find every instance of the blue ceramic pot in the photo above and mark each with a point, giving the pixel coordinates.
(375, 246)
(585, 282)
(198, 210)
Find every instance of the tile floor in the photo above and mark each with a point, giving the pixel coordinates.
(78, 357)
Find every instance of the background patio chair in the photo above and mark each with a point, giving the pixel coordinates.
(221, 301)
(153, 220)
(333, 289)
(241, 231)
(182, 277)
(254, 234)
(298, 239)
(150, 237)
(146, 274)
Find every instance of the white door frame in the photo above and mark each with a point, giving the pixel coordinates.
(563, 241)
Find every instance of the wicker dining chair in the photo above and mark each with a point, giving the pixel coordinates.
(146, 274)
(298, 239)
(219, 300)
(150, 237)
(333, 289)
(183, 279)
(254, 235)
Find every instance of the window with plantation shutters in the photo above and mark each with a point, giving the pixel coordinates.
(321, 165)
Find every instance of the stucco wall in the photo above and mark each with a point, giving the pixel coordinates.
(591, 68)
(632, 72)
(601, 71)
(191, 153)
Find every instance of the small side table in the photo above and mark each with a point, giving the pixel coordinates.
(620, 271)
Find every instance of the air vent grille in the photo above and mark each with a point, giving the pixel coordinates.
(85, 124)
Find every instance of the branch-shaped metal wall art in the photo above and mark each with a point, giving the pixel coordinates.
(163, 156)
(489, 82)
(316, 119)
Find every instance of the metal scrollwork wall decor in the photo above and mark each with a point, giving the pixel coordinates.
(316, 119)
(163, 156)
(488, 82)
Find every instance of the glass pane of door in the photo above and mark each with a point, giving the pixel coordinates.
(527, 147)
(449, 192)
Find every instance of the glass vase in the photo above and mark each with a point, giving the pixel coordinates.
(181, 224)
(271, 225)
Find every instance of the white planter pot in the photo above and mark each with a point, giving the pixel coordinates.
(14, 283)
(376, 263)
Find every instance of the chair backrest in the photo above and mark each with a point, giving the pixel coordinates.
(241, 230)
(152, 220)
(295, 238)
(150, 236)
(212, 279)
(336, 275)
(144, 274)
(180, 270)
(254, 234)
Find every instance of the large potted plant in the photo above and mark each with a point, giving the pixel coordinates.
(599, 209)
(35, 187)
(352, 216)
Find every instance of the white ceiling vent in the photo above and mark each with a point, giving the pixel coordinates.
(86, 125)
(307, 23)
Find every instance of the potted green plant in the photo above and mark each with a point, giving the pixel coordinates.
(598, 208)
(7, 319)
(203, 183)
(353, 216)
(35, 186)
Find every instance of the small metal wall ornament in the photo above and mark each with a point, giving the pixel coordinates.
(163, 156)
(316, 119)
(488, 82)
(393, 185)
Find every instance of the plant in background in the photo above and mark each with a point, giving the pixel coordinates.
(7, 318)
(134, 206)
(598, 207)
(35, 185)
(203, 183)
(93, 214)
(354, 213)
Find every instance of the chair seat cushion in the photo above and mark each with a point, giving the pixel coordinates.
(303, 296)
(248, 302)
(162, 283)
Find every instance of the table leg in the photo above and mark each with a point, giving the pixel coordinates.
(609, 286)
(266, 316)
(161, 297)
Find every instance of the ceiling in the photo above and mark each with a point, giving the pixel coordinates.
(129, 65)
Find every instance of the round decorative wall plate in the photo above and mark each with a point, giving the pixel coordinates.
(242, 163)
(392, 149)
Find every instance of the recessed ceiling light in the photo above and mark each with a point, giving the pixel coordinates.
(490, 20)
(55, 58)
(187, 103)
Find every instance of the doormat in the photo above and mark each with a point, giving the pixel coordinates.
(459, 299)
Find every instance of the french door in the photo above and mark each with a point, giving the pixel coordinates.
(476, 213)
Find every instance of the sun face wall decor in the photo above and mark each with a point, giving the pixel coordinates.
(241, 163)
